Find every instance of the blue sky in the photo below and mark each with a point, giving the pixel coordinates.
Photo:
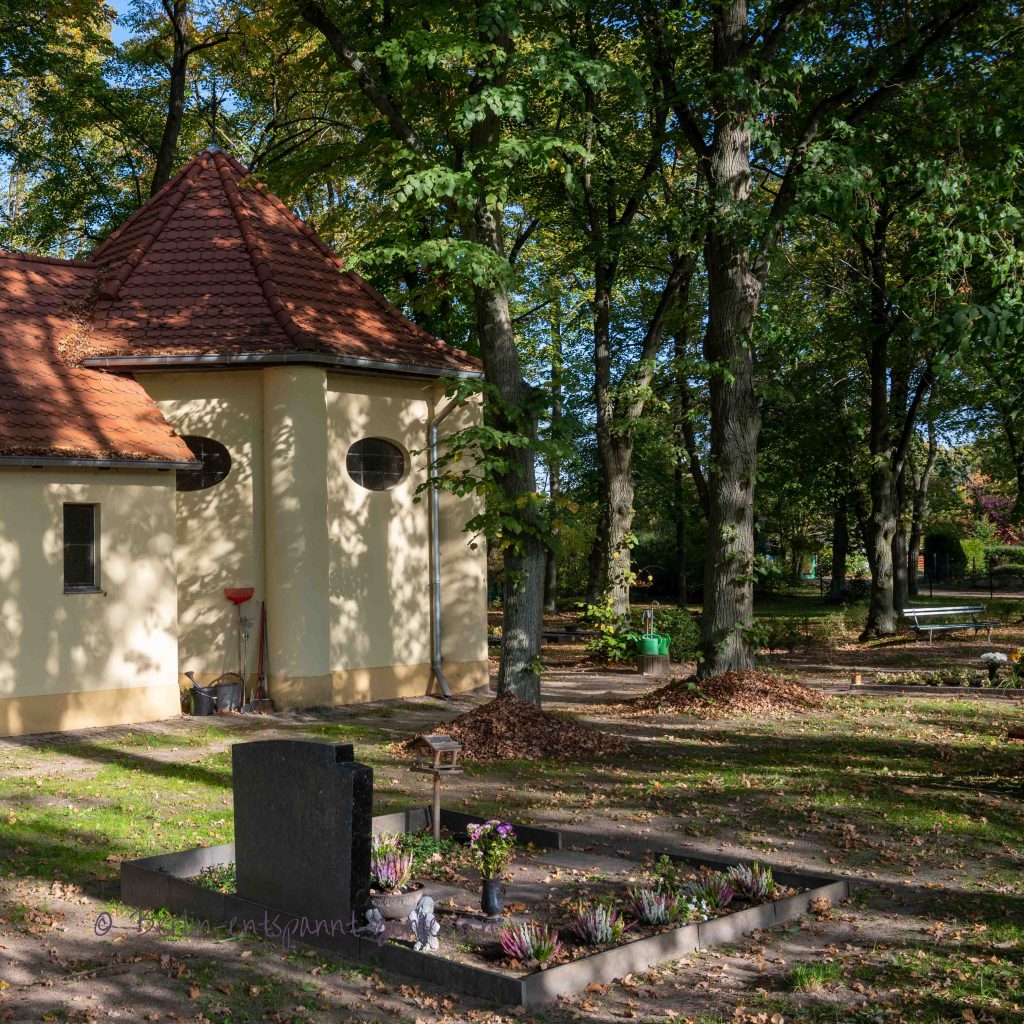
(118, 33)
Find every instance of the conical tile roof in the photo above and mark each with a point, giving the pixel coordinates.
(216, 265)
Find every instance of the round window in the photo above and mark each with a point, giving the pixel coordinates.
(375, 463)
(215, 459)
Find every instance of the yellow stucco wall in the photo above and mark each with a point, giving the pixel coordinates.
(380, 554)
(77, 660)
(220, 529)
(345, 570)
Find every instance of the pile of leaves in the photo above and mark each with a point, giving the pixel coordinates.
(732, 693)
(510, 728)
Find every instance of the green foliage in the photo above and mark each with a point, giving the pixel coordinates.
(678, 624)
(974, 553)
(425, 849)
(936, 677)
(834, 629)
(612, 643)
(999, 555)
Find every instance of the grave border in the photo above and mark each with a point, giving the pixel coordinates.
(162, 881)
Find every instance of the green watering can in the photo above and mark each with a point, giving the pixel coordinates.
(651, 643)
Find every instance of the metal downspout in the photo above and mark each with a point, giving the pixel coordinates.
(436, 660)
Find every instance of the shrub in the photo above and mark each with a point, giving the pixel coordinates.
(653, 906)
(998, 555)
(597, 925)
(680, 626)
(711, 888)
(974, 554)
(612, 642)
(832, 629)
(753, 881)
(779, 634)
(529, 941)
(937, 677)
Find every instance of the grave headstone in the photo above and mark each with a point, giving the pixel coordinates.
(303, 817)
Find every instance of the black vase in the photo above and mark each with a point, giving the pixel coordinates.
(492, 898)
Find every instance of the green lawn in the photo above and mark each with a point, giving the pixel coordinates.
(920, 801)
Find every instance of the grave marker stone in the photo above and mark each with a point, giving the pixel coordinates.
(303, 817)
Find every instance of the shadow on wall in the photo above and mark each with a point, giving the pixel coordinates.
(220, 528)
(54, 643)
(380, 567)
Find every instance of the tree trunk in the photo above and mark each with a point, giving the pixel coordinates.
(899, 549)
(687, 458)
(177, 15)
(881, 530)
(554, 468)
(617, 462)
(918, 512)
(596, 580)
(526, 556)
(882, 520)
(840, 550)
(733, 295)
(614, 453)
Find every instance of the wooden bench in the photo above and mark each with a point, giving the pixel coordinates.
(934, 620)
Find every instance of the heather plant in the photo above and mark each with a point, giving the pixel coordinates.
(653, 906)
(712, 888)
(390, 868)
(753, 881)
(597, 925)
(529, 941)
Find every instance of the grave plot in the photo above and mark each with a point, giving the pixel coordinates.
(573, 914)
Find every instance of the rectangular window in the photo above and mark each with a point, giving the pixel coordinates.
(81, 549)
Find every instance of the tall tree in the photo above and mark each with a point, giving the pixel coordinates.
(754, 73)
(457, 154)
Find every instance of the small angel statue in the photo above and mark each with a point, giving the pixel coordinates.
(425, 927)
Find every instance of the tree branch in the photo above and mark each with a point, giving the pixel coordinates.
(315, 16)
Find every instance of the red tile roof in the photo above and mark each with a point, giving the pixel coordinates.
(51, 409)
(215, 265)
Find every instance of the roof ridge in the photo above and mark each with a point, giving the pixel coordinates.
(32, 257)
(113, 283)
(148, 204)
(257, 255)
(308, 231)
(388, 308)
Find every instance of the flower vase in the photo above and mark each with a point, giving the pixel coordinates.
(492, 898)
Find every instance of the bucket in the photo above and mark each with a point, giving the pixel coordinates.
(203, 700)
(229, 696)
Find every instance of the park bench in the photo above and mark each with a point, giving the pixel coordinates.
(937, 620)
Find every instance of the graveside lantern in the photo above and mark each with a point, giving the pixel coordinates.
(436, 756)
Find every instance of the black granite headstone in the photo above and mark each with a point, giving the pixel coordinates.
(303, 817)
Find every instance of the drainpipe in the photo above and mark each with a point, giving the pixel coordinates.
(436, 661)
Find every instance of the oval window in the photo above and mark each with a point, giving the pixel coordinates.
(375, 463)
(215, 459)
